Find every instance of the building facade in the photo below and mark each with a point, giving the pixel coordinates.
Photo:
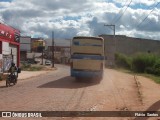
(128, 46)
(25, 47)
(61, 50)
(61, 54)
(9, 47)
(36, 44)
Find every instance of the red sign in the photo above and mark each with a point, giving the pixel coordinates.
(5, 34)
(8, 33)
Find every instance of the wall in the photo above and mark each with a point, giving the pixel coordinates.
(128, 46)
(23, 55)
(25, 43)
(61, 54)
(6, 50)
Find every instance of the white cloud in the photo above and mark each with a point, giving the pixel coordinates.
(74, 17)
(4, 5)
(145, 2)
(134, 2)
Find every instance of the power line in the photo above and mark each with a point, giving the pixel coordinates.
(111, 26)
(120, 10)
(120, 15)
(123, 12)
(147, 15)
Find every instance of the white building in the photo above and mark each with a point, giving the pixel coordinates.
(25, 47)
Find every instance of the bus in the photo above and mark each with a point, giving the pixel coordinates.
(87, 57)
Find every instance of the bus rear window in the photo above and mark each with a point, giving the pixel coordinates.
(78, 43)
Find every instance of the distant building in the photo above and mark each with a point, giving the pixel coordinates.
(61, 54)
(61, 50)
(128, 46)
(36, 44)
(57, 42)
(25, 47)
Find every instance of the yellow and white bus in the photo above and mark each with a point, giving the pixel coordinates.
(87, 57)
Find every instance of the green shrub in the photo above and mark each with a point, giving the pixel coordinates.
(29, 67)
(157, 71)
(25, 66)
(156, 67)
(122, 60)
(142, 61)
(157, 64)
(35, 68)
(150, 70)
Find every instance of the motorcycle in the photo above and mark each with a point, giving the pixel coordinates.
(12, 78)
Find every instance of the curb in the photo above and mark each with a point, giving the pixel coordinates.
(138, 87)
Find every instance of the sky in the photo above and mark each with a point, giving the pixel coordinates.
(69, 18)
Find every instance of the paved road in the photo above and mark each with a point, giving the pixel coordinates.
(57, 91)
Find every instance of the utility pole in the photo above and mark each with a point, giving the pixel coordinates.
(52, 48)
(70, 44)
(111, 28)
(12, 55)
(42, 54)
(112, 63)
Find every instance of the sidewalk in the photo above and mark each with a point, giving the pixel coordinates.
(30, 74)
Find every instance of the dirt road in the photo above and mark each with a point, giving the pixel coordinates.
(57, 91)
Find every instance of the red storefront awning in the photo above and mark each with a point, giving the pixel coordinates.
(9, 34)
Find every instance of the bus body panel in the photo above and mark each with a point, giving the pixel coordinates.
(87, 50)
(82, 64)
(86, 74)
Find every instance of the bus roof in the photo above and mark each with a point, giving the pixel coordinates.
(87, 37)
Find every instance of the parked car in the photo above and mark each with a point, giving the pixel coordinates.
(48, 62)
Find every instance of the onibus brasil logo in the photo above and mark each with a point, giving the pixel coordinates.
(21, 114)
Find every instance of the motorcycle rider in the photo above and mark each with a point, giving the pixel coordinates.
(13, 70)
